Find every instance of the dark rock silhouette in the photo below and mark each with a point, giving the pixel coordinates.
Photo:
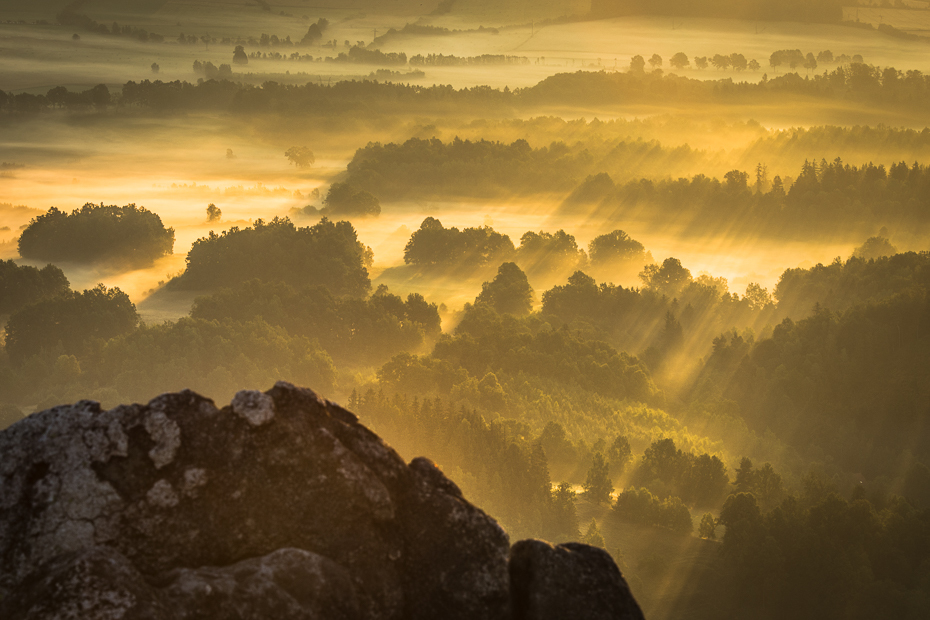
(280, 505)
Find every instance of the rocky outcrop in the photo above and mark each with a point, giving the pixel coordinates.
(280, 505)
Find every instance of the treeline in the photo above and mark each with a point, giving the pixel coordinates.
(451, 60)
(68, 17)
(426, 30)
(818, 11)
(355, 331)
(827, 197)
(425, 168)
(857, 82)
(129, 235)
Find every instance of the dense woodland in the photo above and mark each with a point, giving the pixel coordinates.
(745, 453)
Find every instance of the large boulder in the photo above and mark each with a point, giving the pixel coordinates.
(279, 505)
(571, 581)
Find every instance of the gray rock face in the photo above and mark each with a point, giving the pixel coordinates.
(568, 582)
(280, 505)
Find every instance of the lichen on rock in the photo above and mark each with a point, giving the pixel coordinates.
(280, 505)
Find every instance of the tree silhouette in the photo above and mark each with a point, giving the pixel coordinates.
(213, 213)
(597, 485)
(300, 156)
(509, 292)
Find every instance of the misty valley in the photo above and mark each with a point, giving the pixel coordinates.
(649, 276)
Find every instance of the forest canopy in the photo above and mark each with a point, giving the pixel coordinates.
(326, 254)
(96, 233)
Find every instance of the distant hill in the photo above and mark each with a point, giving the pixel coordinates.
(818, 11)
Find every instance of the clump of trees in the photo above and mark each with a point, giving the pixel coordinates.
(326, 254)
(21, 286)
(433, 245)
(352, 330)
(69, 323)
(639, 506)
(344, 200)
(129, 235)
(509, 292)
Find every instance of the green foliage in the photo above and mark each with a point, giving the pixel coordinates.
(432, 245)
(592, 536)
(462, 167)
(875, 247)
(829, 558)
(708, 527)
(509, 292)
(494, 462)
(345, 200)
(764, 483)
(128, 235)
(697, 479)
(547, 252)
(840, 285)
(616, 247)
(69, 323)
(619, 455)
(21, 286)
(352, 330)
(597, 485)
(211, 357)
(668, 279)
(641, 507)
(327, 254)
(851, 386)
(214, 213)
(300, 156)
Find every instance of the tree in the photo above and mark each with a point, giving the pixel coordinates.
(619, 455)
(67, 323)
(720, 61)
(708, 527)
(669, 279)
(655, 61)
(592, 536)
(825, 57)
(21, 286)
(754, 65)
(346, 200)
(875, 247)
(679, 61)
(213, 213)
(597, 485)
(155, 67)
(100, 96)
(616, 247)
(700, 62)
(509, 292)
(810, 62)
(239, 56)
(300, 156)
(738, 61)
(757, 296)
(563, 515)
(637, 64)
